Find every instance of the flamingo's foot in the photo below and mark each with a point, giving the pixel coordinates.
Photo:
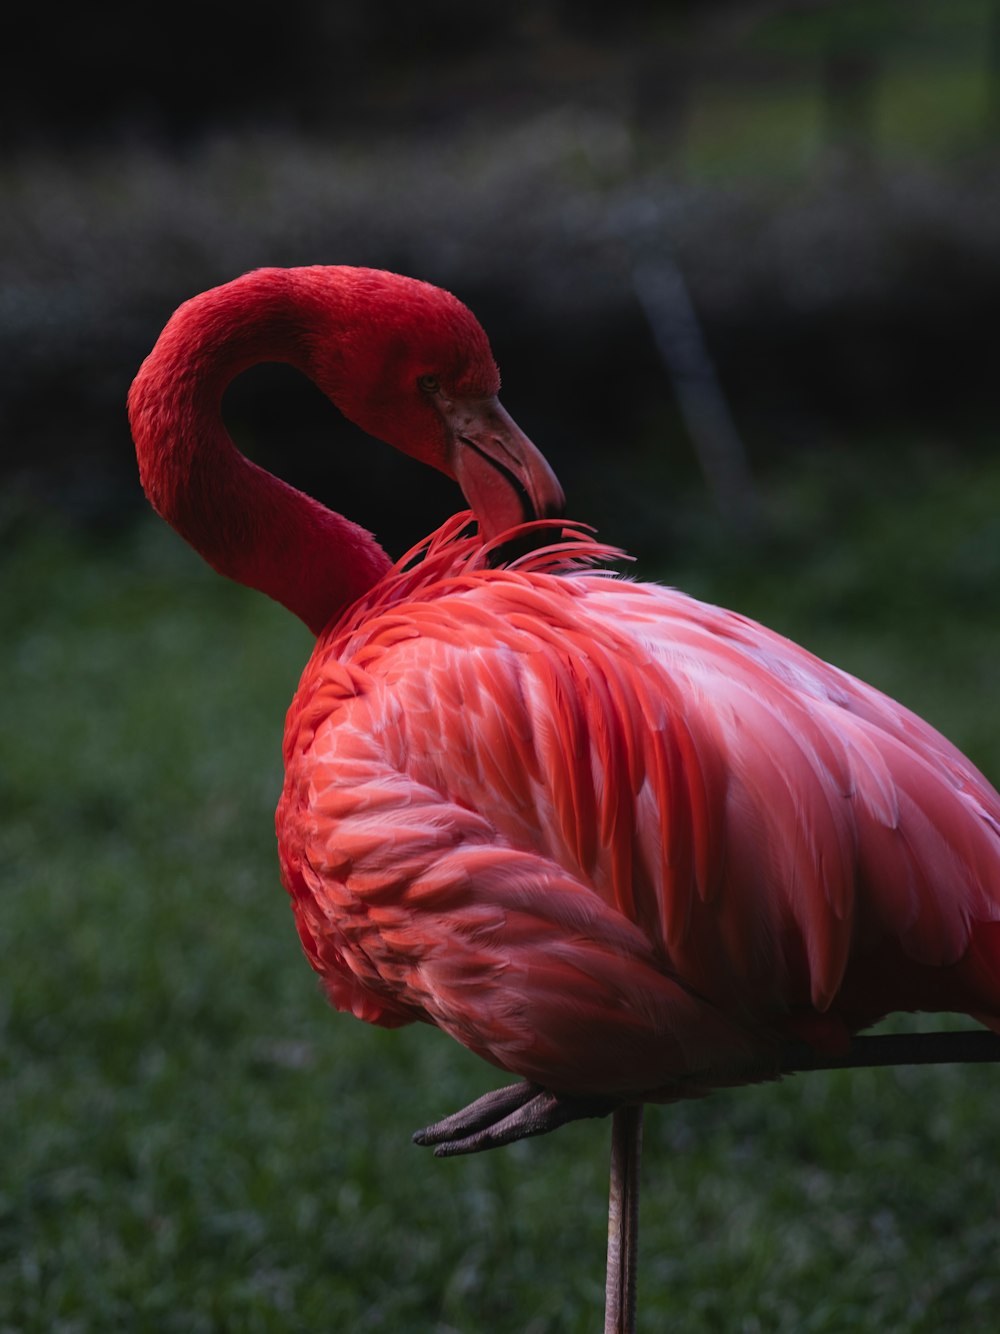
(514, 1112)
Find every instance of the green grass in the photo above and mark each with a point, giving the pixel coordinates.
(931, 94)
(192, 1141)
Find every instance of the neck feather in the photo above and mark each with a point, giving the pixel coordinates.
(248, 524)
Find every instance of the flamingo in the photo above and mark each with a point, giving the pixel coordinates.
(625, 845)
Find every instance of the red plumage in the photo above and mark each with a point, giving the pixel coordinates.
(618, 841)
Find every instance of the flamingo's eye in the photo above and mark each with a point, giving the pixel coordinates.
(430, 384)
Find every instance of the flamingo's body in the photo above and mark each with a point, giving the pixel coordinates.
(621, 842)
(614, 840)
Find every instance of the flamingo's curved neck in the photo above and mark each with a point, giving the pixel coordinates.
(248, 524)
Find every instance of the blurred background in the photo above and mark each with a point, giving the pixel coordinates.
(818, 179)
(740, 264)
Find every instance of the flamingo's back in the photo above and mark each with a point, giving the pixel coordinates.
(617, 840)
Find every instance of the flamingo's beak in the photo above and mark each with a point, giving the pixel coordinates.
(502, 475)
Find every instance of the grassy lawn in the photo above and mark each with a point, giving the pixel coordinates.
(194, 1142)
(930, 95)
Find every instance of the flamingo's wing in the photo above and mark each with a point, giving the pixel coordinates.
(609, 838)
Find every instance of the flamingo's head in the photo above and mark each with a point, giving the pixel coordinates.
(410, 364)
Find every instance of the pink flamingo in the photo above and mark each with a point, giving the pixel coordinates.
(625, 845)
